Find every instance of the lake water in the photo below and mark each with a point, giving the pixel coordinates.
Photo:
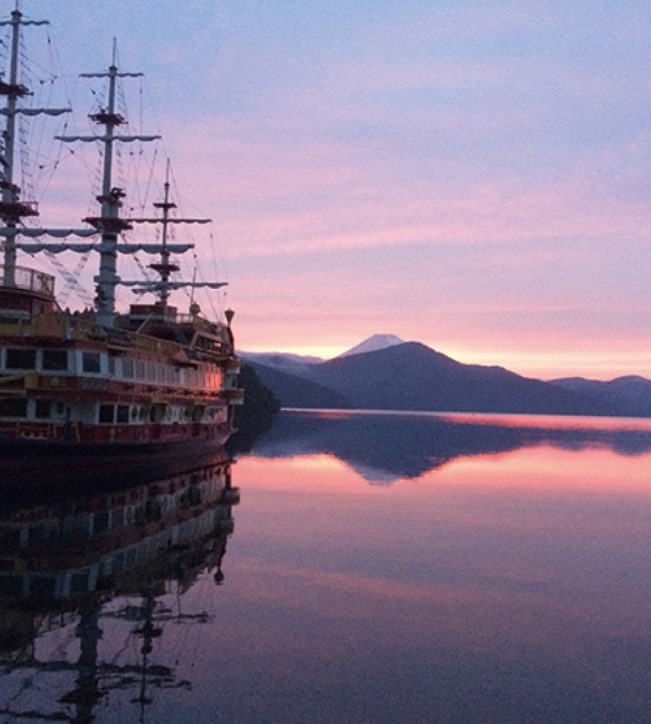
(378, 568)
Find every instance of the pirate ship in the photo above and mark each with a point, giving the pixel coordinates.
(101, 379)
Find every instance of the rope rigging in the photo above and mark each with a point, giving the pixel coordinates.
(134, 170)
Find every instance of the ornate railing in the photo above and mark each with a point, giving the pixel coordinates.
(30, 279)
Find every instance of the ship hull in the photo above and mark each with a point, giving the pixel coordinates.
(37, 451)
(46, 471)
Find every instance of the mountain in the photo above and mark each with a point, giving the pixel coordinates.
(373, 344)
(256, 413)
(633, 392)
(291, 363)
(411, 376)
(295, 391)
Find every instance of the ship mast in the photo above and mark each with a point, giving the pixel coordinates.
(12, 209)
(164, 267)
(108, 223)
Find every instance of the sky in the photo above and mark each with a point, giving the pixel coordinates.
(472, 175)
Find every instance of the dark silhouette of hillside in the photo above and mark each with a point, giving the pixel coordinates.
(631, 392)
(256, 414)
(411, 376)
(295, 391)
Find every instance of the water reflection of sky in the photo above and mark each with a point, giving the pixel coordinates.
(385, 447)
(505, 585)
(501, 586)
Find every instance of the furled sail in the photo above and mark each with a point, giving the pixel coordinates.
(56, 233)
(156, 220)
(34, 111)
(146, 287)
(106, 139)
(35, 247)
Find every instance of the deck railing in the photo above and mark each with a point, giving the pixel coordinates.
(30, 279)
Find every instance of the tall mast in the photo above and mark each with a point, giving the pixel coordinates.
(12, 209)
(164, 267)
(108, 223)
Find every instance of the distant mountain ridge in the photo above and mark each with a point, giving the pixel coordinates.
(632, 391)
(412, 376)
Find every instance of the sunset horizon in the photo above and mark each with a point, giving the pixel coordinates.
(593, 365)
(474, 179)
(325, 375)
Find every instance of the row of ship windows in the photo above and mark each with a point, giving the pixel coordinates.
(111, 414)
(81, 580)
(122, 414)
(95, 523)
(56, 360)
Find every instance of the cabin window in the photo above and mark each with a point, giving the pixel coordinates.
(101, 521)
(37, 534)
(13, 408)
(106, 413)
(122, 414)
(111, 364)
(43, 409)
(21, 359)
(79, 582)
(55, 360)
(90, 362)
(41, 586)
(127, 368)
(9, 537)
(118, 562)
(156, 412)
(117, 518)
(11, 585)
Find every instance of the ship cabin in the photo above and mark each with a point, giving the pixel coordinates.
(25, 298)
(158, 376)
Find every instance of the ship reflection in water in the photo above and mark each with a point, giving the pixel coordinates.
(117, 563)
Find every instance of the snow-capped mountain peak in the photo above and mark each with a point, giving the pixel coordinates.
(373, 344)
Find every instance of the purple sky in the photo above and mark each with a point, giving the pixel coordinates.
(474, 175)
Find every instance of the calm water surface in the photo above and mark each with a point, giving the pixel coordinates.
(379, 568)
